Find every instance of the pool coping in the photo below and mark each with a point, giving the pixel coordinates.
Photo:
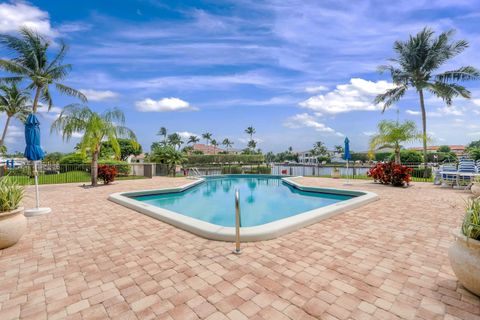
(266, 231)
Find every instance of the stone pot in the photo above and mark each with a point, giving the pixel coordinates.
(476, 190)
(13, 225)
(464, 257)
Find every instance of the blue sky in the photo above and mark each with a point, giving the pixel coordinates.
(298, 71)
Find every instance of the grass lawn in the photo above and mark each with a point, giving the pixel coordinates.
(65, 177)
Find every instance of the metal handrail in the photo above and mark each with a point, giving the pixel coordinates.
(238, 223)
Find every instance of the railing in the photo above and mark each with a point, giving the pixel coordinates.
(69, 173)
(238, 223)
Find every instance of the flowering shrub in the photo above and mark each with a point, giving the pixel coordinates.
(391, 173)
(107, 173)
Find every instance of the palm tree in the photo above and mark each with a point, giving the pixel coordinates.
(108, 126)
(252, 144)
(319, 148)
(391, 134)
(227, 143)
(175, 140)
(163, 132)
(338, 148)
(250, 131)
(207, 136)
(214, 144)
(416, 61)
(169, 156)
(32, 63)
(13, 102)
(193, 139)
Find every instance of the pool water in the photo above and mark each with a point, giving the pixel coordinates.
(263, 199)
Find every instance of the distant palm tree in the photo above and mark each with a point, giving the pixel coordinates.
(338, 149)
(13, 102)
(391, 134)
(227, 143)
(319, 148)
(163, 132)
(214, 145)
(175, 140)
(95, 128)
(169, 156)
(32, 63)
(250, 131)
(416, 60)
(252, 144)
(193, 139)
(207, 136)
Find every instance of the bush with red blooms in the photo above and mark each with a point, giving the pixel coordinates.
(107, 173)
(391, 173)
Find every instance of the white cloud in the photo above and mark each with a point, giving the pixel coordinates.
(99, 95)
(163, 105)
(21, 14)
(354, 96)
(14, 134)
(307, 120)
(439, 112)
(51, 114)
(316, 89)
(186, 134)
(413, 112)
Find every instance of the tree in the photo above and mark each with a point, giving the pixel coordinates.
(13, 102)
(252, 144)
(444, 149)
(193, 139)
(474, 144)
(169, 156)
(163, 132)
(319, 149)
(338, 149)
(214, 145)
(32, 63)
(416, 61)
(227, 144)
(391, 134)
(175, 140)
(207, 136)
(53, 157)
(250, 131)
(127, 148)
(95, 128)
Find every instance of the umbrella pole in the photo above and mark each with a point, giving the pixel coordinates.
(37, 210)
(37, 194)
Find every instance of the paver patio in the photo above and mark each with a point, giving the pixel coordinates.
(93, 259)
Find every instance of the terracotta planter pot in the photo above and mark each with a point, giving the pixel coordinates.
(464, 257)
(13, 225)
(476, 190)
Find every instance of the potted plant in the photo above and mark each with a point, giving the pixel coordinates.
(464, 254)
(336, 173)
(476, 187)
(12, 221)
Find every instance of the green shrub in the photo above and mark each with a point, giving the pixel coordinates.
(359, 156)
(420, 172)
(442, 157)
(11, 194)
(408, 156)
(73, 162)
(122, 167)
(232, 170)
(225, 158)
(382, 156)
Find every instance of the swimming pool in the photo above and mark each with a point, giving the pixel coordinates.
(270, 205)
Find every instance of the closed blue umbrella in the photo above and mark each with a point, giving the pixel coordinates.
(346, 154)
(346, 150)
(34, 152)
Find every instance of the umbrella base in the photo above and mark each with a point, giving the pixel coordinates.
(37, 212)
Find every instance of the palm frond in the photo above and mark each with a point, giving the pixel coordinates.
(448, 91)
(461, 74)
(70, 91)
(390, 96)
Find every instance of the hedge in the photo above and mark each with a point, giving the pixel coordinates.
(197, 159)
(232, 170)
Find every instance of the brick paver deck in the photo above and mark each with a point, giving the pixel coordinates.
(93, 259)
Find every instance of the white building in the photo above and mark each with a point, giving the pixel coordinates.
(306, 157)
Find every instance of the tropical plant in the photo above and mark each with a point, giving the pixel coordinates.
(391, 134)
(32, 63)
(227, 144)
(163, 132)
(338, 149)
(11, 194)
(95, 128)
(252, 144)
(193, 139)
(214, 144)
(127, 148)
(390, 173)
(169, 156)
(13, 102)
(414, 66)
(53, 157)
(319, 149)
(471, 222)
(444, 149)
(107, 173)
(175, 140)
(408, 156)
(250, 131)
(207, 136)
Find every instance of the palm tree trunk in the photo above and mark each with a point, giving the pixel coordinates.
(35, 100)
(94, 168)
(398, 159)
(5, 131)
(424, 128)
